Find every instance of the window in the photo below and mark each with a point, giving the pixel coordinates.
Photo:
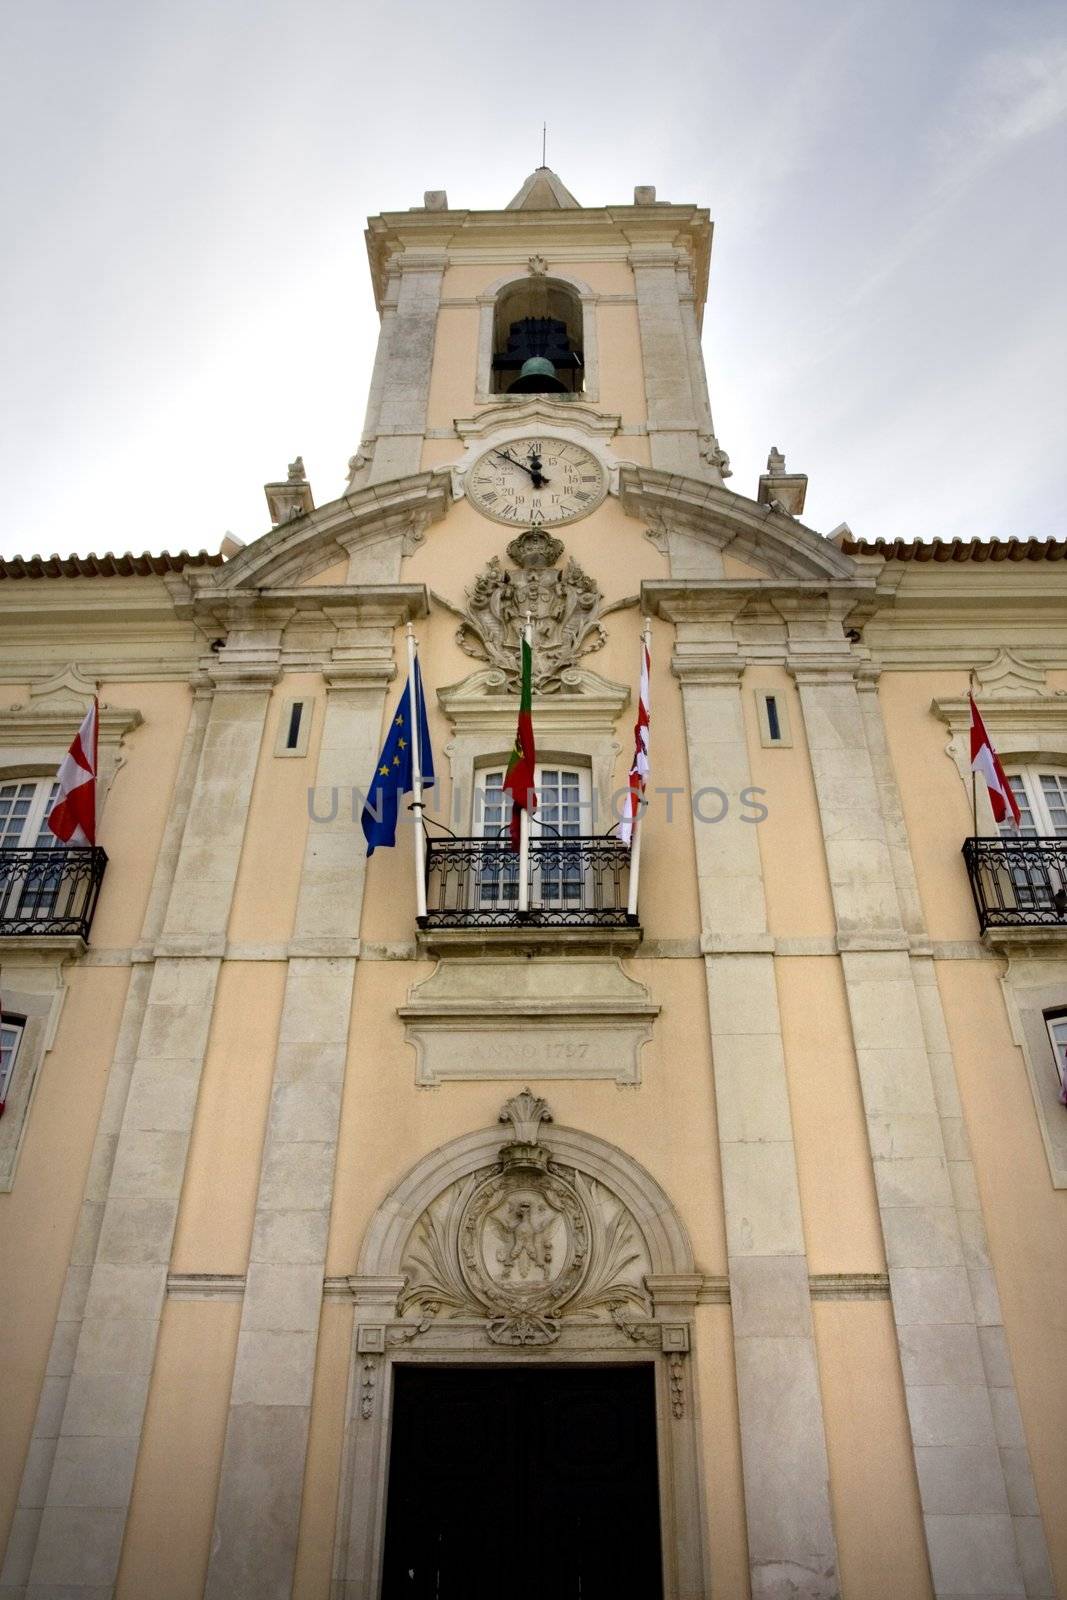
(1038, 876)
(1056, 1023)
(10, 1039)
(773, 719)
(1042, 797)
(563, 800)
(294, 728)
(24, 807)
(537, 320)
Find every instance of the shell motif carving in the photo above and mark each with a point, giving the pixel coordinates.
(526, 1243)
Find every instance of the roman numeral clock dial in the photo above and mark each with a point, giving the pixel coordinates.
(536, 480)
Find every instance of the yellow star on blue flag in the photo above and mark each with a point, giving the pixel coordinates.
(393, 769)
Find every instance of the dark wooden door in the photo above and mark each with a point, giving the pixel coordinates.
(523, 1483)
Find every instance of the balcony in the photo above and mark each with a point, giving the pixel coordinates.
(1019, 883)
(50, 893)
(578, 890)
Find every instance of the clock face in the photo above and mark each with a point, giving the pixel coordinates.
(539, 480)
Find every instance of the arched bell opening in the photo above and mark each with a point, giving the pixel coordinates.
(538, 339)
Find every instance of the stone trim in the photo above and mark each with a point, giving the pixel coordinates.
(849, 1286)
(205, 1285)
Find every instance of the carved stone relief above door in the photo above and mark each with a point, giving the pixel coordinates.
(547, 1245)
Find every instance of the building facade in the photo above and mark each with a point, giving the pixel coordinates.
(712, 1251)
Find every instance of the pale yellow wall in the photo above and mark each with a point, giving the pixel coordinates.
(39, 1216)
(873, 1488)
(168, 1534)
(622, 379)
(1025, 1217)
(454, 376)
(668, 1124)
(322, 1475)
(842, 1231)
(264, 902)
(218, 1201)
(137, 805)
(715, 1384)
(795, 878)
(936, 801)
(455, 364)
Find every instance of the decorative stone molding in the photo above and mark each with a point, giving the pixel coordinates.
(573, 1015)
(1026, 719)
(368, 525)
(36, 733)
(32, 988)
(694, 522)
(522, 414)
(564, 604)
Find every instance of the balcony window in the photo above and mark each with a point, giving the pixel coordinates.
(10, 1039)
(576, 878)
(1019, 878)
(46, 887)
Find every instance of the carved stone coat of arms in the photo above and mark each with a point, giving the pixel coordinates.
(525, 1243)
(563, 604)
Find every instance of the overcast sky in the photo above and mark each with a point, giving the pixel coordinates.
(186, 297)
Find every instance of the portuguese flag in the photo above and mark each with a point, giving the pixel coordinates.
(519, 778)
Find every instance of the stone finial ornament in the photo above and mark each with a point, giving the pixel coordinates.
(290, 499)
(526, 1112)
(780, 490)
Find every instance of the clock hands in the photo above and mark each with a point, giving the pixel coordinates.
(539, 481)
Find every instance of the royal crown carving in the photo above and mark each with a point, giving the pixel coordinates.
(525, 1243)
(564, 606)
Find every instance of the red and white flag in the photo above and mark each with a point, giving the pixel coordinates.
(986, 762)
(639, 769)
(73, 815)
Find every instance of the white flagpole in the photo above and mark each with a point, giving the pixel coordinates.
(524, 814)
(416, 777)
(636, 828)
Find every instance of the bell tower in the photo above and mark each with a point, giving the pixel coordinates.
(599, 308)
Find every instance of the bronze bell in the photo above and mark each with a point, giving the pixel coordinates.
(537, 376)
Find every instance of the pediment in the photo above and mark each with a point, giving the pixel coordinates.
(694, 523)
(368, 529)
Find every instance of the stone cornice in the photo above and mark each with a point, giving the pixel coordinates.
(701, 600)
(753, 532)
(506, 235)
(1010, 712)
(291, 553)
(480, 703)
(544, 411)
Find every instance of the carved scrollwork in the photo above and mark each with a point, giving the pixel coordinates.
(525, 1244)
(565, 607)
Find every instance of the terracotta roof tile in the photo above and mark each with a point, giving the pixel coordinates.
(105, 566)
(958, 549)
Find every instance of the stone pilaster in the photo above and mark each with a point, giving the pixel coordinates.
(33, 1488)
(258, 1508)
(792, 1550)
(983, 1533)
(79, 1538)
(674, 417)
(400, 389)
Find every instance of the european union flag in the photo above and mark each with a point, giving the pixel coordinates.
(392, 772)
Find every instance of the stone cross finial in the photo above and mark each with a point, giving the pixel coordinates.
(526, 1113)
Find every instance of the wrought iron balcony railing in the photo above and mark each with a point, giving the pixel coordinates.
(1018, 883)
(573, 883)
(50, 891)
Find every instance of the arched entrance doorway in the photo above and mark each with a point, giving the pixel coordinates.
(545, 1276)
